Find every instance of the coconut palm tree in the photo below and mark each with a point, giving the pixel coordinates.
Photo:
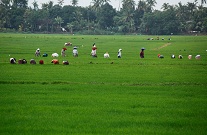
(128, 11)
(35, 5)
(191, 8)
(60, 2)
(102, 2)
(203, 1)
(142, 5)
(59, 21)
(165, 6)
(74, 2)
(70, 27)
(98, 3)
(151, 4)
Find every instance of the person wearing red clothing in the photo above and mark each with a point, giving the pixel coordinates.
(55, 61)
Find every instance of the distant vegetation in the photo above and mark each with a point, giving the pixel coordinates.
(101, 18)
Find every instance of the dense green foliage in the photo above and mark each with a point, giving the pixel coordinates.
(94, 96)
(101, 18)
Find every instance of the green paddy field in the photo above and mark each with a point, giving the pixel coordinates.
(133, 96)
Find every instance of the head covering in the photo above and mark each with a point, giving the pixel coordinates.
(142, 48)
(120, 50)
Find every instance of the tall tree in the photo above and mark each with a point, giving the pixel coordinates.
(106, 16)
(46, 18)
(203, 1)
(20, 3)
(55, 11)
(60, 2)
(59, 21)
(32, 18)
(47, 6)
(35, 5)
(142, 5)
(192, 6)
(5, 13)
(182, 16)
(74, 2)
(150, 5)
(98, 3)
(165, 6)
(128, 11)
(70, 27)
(158, 22)
(17, 11)
(139, 13)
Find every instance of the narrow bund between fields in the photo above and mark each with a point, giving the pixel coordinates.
(105, 83)
(163, 46)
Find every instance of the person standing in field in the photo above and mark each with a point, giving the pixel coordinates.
(75, 51)
(142, 53)
(63, 52)
(93, 52)
(119, 53)
(37, 52)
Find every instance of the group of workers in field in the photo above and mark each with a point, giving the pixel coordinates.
(93, 54)
(106, 55)
(63, 54)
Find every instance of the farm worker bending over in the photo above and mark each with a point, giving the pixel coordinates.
(37, 52)
(55, 61)
(32, 61)
(68, 44)
(55, 55)
(142, 53)
(106, 55)
(12, 60)
(198, 57)
(119, 53)
(75, 51)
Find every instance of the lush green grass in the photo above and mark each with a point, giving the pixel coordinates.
(93, 96)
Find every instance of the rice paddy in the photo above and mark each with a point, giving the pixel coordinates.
(129, 95)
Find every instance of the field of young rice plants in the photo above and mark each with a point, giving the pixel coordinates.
(127, 95)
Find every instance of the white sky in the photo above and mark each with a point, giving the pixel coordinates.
(114, 3)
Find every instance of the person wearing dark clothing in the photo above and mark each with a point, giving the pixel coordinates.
(142, 53)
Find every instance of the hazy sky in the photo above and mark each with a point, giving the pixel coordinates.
(114, 3)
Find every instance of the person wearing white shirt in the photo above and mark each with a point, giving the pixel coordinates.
(119, 53)
(106, 55)
(37, 52)
(75, 52)
(93, 52)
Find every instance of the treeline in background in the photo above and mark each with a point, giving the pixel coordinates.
(102, 18)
